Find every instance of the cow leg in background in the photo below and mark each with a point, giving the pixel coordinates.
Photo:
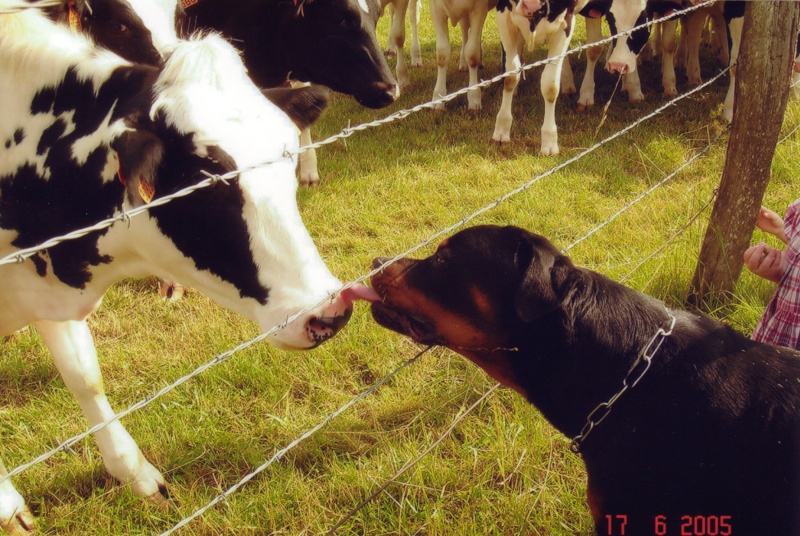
(472, 53)
(735, 32)
(512, 43)
(75, 357)
(15, 517)
(443, 52)
(695, 22)
(397, 40)
(632, 86)
(462, 56)
(309, 174)
(415, 7)
(593, 35)
(669, 44)
(567, 78)
(557, 44)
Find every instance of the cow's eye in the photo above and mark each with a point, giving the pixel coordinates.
(118, 27)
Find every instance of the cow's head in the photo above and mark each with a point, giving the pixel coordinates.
(332, 42)
(137, 31)
(622, 16)
(243, 243)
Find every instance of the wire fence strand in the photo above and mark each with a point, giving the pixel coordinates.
(220, 358)
(605, 223)
(21, 255)
(461, 416)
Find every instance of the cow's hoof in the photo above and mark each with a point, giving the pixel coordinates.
(568, 90)
(670, 93)
(21, 524)
(549, 150)
(416, 62)
(389, 53)
(583, 107)
(309, 182)
(500, 140)
(636, 96)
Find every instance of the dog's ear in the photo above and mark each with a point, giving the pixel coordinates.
(544, 272)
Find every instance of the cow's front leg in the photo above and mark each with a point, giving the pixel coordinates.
(72, 348)
(397, 39)
(309, 173)
(413, 18)
(472, 55)
(632, 86)
(512, 44)
(443, 52)
(669, 45)
(593, 35)
(558, 43)
(15, 518)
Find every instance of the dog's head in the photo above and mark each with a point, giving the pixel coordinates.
(476, 295)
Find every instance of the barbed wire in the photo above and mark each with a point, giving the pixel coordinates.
(308, 433)
(21, 255)
(650, 190)
(464, 414)
(591, 232)
(460, 417)
(221, 358)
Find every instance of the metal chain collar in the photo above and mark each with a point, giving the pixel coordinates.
(636, 373)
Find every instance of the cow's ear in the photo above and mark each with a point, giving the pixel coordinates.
(140, 153)
(303, 105)
(544, 275)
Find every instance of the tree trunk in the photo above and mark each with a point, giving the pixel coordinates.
(763, 73)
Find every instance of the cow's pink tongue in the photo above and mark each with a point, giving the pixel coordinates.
(359, 292)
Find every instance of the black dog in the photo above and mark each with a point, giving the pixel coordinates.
(706, 443)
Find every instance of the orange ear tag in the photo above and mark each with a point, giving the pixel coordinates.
(146, 191)
(73, 17)
(188, 3)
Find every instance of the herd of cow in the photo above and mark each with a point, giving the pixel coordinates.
(107, 104)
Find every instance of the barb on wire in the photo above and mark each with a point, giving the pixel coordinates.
(447, 432)
(278, 455)
(20, 255)
(224, 356)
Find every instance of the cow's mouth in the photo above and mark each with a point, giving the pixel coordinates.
(405, 323)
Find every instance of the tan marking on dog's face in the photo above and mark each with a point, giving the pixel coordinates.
(483, 303)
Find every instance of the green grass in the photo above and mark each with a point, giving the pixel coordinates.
(504, 470)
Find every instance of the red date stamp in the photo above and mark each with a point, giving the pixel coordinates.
(699, 525)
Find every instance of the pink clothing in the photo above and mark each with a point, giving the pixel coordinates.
(780, 324)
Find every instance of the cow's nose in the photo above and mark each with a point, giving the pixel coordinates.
(618, 67)
(381, 94)
(322, 328)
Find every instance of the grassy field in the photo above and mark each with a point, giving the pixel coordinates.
(503, 470)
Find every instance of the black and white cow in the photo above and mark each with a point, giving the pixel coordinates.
(532, 23)
(734, 17)
(470, 15)
(328, 42)
(622, 16)
(80, 131)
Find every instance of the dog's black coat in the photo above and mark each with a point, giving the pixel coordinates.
(712, 431)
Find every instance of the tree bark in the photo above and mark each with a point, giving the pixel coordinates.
(763, 73)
